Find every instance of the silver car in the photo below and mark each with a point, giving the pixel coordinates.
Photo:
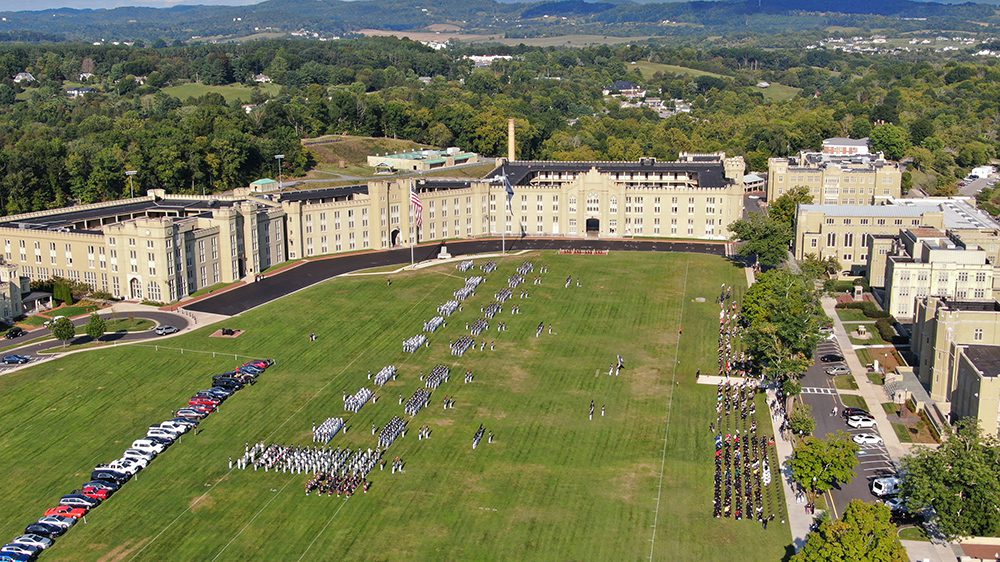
(838, 370)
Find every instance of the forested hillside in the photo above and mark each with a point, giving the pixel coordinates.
(54, 149)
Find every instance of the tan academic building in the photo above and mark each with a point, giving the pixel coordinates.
(958, 346)
(159, 247)
(163, 247)
(856, 179)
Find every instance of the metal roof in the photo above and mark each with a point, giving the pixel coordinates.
(706, 173)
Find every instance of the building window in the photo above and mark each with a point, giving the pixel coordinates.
(978, 334)
(831, 239)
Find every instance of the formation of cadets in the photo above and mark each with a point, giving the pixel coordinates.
(418, 401)
(438, 376)
(325, 431)
(412, 344)
(479, 326)
(384, 375)
(356, 401)
(743, 458)
(342, 472)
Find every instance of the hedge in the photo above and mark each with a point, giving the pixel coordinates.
(868, 308)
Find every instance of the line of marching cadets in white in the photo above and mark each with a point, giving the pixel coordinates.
(107, 479)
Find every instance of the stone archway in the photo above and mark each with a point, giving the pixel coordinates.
(593, 226)
(394, 237)
(135, 288)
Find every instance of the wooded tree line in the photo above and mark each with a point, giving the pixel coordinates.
(55, 150)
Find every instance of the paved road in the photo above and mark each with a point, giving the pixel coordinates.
(161, 318)
(975, 186)
(820, 394)
(251, 295)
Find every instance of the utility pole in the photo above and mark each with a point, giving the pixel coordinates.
(278, 157)
(130, 173)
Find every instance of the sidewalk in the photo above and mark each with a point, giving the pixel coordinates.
(196, 318)
(873, 394)
(798, 520)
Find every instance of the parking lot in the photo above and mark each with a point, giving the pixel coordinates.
(819, 392)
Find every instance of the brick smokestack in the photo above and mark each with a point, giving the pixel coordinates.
(511, 145)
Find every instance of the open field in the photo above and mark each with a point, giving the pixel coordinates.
(346, 154)
(231, 92)
(554, 486)
(648, 69)
(780, 92)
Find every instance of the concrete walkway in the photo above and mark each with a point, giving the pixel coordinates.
(872, 394)
(798, 520)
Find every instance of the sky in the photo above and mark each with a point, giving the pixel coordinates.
(15, 5)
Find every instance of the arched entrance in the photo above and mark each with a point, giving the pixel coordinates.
(135, 288)
(593, 227)
(393, 237)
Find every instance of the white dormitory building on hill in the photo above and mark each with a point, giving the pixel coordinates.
(163, 247)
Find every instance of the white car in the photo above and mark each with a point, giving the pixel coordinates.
(56, 521)
(867, 439)
(147, 445)
(34, 540)
(179, 427)
(137, 454)
(161, 433)
(861, 422)
(127, 466)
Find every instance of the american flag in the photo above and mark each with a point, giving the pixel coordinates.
(418, 207)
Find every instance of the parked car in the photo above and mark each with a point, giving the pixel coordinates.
(34, 540)
(15, 332)
(52, 321)
(76, 499)
(204, 401)
(172, 427)
(148, 445)
(45, 530)
(886, 486)
(96, 493)
(848, 412)
(164, 330)
(261, 363)
(831, 358)
(214, 393)
(137, 454)
(838, 370)
(895, 504)
(188, 421)
(161, 434)
(228, 382)
(867, 439)
(203, 408)
(165, 441)
(67, 511)
(58, 521)
(103, 485)
(21, 549)
(860, 422)
(15, 557)
(125, 466)
(15, 359)
(190, 413)
(250, 370)
(109, 475)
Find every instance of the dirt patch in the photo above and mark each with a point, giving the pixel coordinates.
(201, 502)
(645, 382)
(122, 551)
(627, 482)
(517, 378)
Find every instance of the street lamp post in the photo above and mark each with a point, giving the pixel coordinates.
(278, 157)
(130, 173)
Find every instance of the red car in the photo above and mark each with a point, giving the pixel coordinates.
(260, 363)
(203, 401)
(67, 511)
(96, 493)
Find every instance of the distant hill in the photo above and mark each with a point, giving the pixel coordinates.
(337, 17)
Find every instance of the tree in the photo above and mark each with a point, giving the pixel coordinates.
(815, 268)
(96, 327)
(864, 534)
(62, 292)
(782, 318)
(891, 140)
(63, 329)
(960, 480)
(783, 208)
(801, 420)
(820, 464)
(763, 237)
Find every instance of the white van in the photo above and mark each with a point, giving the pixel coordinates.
(147, 445)
(888, 486)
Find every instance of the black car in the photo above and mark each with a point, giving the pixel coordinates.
(848, 412)
(44, 529)
(110, 485)
(15, 332)
(188, 421)
(15, 359)
(831, 358)
(110, 476)
(228, 382)
(161, 440)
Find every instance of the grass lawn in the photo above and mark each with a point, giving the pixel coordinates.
(72, 310)
(780, 92)
(231, 92)
(876, 378)
(913, 533)
(553, 486)
(851, 315)
(874, 338)
(33, 321)
(853, 401)
(129, 325)
(845, 382)
(648, 69)
(902, 432)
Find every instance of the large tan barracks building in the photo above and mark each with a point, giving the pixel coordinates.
(163, 247)
(836, 176)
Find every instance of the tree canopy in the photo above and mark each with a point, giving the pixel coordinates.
(63, 329)
(960, 481)
(865, 533)
(821, 464)
(782, 318)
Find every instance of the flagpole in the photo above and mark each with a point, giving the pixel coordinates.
(413, 235)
